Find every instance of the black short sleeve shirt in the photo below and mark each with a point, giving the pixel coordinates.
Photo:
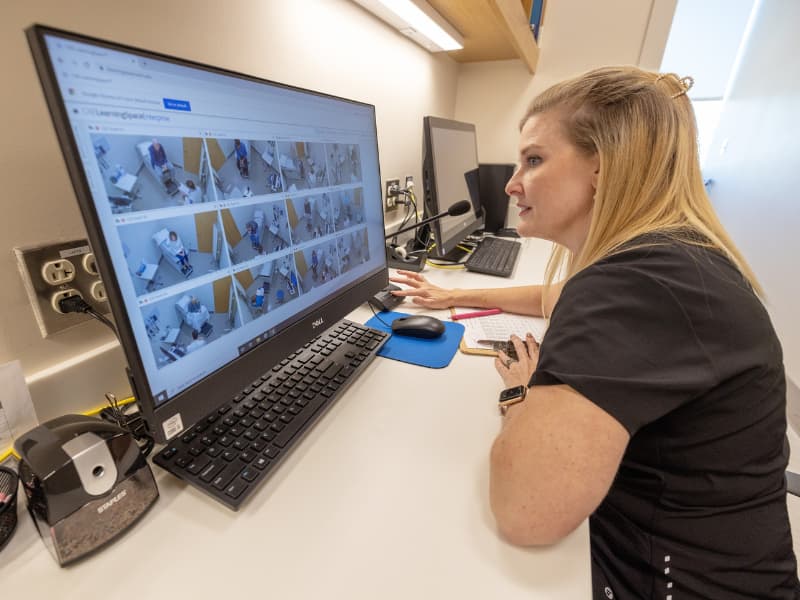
(670, 340)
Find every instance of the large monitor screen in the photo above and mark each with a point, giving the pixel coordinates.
(231, 217)
(450, 175)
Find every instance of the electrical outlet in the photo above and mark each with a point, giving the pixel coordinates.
(57, 297)
(98, 291)
(409, 182)
(391, 201)
(49, 273)
(90, 264)
(58, 272)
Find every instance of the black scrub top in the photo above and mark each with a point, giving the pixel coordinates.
(671, 341)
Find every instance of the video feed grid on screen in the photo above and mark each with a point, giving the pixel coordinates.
(190, 320)
(200, 206)
(144, 172)
(162, 252)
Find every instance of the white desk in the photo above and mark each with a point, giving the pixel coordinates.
(385, 499)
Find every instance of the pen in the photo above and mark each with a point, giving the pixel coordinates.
(477, 313)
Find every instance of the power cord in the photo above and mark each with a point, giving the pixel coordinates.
(10, 452)
(406, 197)
(72, 304)
(114, 412)
(132, 423)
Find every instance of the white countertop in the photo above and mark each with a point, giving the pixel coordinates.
(385, 498)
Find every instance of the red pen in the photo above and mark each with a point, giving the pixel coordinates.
(477, 313)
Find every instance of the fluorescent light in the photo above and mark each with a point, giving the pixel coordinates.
(417, 20)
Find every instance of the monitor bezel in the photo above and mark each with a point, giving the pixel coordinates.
(432, 206)
(196, 401)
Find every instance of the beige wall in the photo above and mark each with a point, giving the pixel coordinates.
(576, 36)
(328, 45)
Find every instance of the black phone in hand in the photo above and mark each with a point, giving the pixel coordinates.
(506, 346)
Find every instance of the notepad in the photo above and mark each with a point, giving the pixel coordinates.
(498, 328)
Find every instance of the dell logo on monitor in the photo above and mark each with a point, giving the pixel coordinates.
(317, 323)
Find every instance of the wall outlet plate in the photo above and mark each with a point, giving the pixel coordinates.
(45, 285)
(390, 201)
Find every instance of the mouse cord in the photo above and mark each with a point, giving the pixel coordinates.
(372, 308)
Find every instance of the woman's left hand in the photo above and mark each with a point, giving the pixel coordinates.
(518, 372)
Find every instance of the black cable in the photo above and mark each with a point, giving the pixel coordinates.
(114, 413)
(72, 304)
(96, 315)
(134, 423)
(372, 308)
(403, 222)
(419, 245)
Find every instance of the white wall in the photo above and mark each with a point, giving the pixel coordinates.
(328, 45)
(753, 161)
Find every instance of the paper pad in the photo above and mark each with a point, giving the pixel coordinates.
(436, 353)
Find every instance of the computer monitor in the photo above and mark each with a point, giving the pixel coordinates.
(233, 218)
(449, 175)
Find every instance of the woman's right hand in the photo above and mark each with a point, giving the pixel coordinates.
(421, 291)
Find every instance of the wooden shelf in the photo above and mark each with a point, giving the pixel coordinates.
(492, 30)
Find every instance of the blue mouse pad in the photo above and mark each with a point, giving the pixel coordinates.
(436, 353)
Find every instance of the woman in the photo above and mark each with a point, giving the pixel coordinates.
(656, 404)
(175, 246)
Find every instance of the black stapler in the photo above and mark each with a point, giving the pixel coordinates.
(86, 482)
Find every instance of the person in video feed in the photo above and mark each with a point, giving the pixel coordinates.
(178, 250)
(241, 158)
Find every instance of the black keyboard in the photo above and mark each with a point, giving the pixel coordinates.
(494, 256)
(229, 453)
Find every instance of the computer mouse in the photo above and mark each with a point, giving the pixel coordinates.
(420, 326)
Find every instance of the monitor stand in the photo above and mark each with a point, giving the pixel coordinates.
(456, 255)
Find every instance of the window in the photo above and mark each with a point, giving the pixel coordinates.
(705, 41)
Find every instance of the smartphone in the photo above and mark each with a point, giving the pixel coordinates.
(505, 346)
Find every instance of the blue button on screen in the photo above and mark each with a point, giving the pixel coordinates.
(173, 104)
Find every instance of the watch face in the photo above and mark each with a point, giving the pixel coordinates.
(510, 393)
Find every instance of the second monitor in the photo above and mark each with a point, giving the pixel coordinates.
(449, 175)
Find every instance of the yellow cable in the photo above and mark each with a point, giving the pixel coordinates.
(90, 413)
(7, 453)
(450, 267)
(94, 411)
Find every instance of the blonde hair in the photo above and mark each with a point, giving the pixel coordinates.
(642, 127)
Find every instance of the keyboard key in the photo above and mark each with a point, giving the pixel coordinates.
(249, 474)
(235, 489)
(227, 474)
(197, 465)
(211, 470)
